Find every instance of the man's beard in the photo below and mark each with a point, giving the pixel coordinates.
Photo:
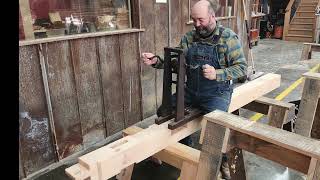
(204, 31)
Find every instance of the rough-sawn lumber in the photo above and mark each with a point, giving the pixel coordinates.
(109, 160)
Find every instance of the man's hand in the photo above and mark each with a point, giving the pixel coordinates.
(146, 58)
(209, 72)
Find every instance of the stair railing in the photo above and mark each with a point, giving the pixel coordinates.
(287, 18)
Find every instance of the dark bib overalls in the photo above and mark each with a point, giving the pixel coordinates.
(200, 92)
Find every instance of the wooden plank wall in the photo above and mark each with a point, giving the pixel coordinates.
(36, 149)
(94, 87)
(97, 86)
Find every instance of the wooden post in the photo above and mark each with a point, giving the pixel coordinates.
(215, 140)
(188, 171)
(314, 170)
(308, 104)
(277, 116)
(26, 19)
(236, 164)
(315, 132)
(306, 52)
(287, 19)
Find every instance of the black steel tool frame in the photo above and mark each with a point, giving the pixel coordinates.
(180, 116)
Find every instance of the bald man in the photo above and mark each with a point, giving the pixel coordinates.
(214, 58)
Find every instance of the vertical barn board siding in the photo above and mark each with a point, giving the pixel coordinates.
(21, 171)
(87, 81)
(63, 97)
(147, 40)
(240, 26)
(34, 135)
(244, 31)
(135, 9)
(161, 41)
(176, 20)
(130, 65)
(31, 90)
(108, 48)
(185, 17)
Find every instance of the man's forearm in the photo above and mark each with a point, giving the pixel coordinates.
(233, 72)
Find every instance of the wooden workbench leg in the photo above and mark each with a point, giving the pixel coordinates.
(214, 143)
(277, 116)
(314, 170)
(306, 52)
(236, 164)
(307, 107)
(188, 171)
(315, 132)
(235, 160)
(126, 173)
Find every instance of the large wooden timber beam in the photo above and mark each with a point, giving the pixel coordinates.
(249, 92)
(175, 155)
(225, 129)
(109, 160)
(178, 155)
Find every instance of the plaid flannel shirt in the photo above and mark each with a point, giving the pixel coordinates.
(231, 57)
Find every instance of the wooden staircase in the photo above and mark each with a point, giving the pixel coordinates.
(302, 26)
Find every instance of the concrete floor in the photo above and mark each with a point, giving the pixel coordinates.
(271, 55)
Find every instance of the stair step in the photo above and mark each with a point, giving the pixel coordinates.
(298, 29)
(299, 35)
(303, 19)
(307, 17)
(306, 8)
(302, 23)
(308, 5)
(301, 26)
(305, 11)
(307, 32)
(310, 2)
(298, 38)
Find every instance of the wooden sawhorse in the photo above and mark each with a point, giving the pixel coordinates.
(225, 131)
(186, 158)
(307, 50)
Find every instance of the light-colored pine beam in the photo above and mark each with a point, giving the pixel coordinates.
(109, 160)
(249, 92)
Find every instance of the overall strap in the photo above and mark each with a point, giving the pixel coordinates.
(217, 37)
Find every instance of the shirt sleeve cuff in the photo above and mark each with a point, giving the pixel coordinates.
(158, 64)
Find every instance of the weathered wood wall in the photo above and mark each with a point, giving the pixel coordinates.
(95, 91)
(85, 90)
